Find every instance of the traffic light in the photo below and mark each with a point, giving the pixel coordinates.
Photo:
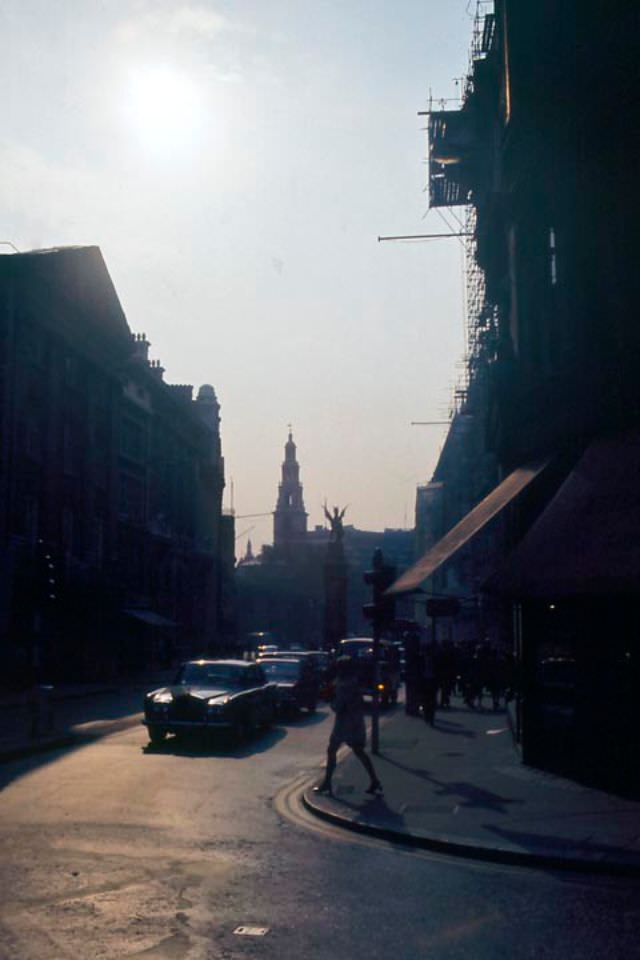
(380, 578)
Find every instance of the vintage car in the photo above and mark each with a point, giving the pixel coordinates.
(211, 695)
(296, 679)
(360, 649)
(321, 660)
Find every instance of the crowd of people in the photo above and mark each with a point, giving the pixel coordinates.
(435, 671)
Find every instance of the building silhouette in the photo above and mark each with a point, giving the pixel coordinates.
(538, 505)
(282, 592)
(114, 552)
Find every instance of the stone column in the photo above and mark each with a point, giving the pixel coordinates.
(335, 592)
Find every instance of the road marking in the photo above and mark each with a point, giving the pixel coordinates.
(288, 804)
(248, 931)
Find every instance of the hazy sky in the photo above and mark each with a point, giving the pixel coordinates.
(236, 162)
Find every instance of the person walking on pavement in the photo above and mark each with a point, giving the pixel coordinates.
(412, 678)
(429, 684)
(446, 672)
(349, 726)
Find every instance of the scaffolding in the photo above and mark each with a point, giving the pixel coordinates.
(483, 39)
(450, 146)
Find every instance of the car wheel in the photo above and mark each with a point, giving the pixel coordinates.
(157, 736)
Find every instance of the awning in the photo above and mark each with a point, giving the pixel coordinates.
(587, 540)
(151, 617)
(467, 528)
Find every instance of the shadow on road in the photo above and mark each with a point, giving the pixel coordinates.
(216, 745)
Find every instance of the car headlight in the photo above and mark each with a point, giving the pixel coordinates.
(218, 703)
(165, 697)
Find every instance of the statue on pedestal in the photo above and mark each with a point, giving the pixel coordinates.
(335, 578)
(335, 520)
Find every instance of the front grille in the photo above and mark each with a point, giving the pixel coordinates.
(188, 708)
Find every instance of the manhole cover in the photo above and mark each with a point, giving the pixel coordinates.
(250, 931)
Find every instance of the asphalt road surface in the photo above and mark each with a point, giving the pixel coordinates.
(112, 850)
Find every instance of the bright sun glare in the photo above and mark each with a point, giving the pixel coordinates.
(164, 107)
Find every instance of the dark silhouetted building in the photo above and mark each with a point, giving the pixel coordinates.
(541, 153)
(112, 544)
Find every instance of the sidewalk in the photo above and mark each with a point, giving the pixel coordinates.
(77, 712)
(461, 788)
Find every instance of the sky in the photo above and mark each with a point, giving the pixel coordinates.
(236, 163)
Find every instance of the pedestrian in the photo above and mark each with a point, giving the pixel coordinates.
(429, 683)
(495, 673)
(349, 726)
(412, 675)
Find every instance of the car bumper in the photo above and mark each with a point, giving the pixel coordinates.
(173, 726)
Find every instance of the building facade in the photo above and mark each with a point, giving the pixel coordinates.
(110, 482)
(540, 156)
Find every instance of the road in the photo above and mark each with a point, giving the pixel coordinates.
(112, 850)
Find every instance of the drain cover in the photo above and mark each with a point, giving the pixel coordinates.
(249, 931)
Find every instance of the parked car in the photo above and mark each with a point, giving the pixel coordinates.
(361, 650)
(296, 680)
(210, 695)
(321, 660)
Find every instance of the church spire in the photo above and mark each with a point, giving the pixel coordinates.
(290, 517)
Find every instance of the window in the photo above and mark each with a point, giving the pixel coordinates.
(132, 439)
(132, 498)
(553, 260)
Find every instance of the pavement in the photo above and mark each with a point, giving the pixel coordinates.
(458, 787)
(68, 714)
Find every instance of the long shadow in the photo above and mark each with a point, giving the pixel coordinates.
(216, 745)
(467, 794)
(25, 754)
(18, 767)
(376, 810)
(453, 729)
(550, 844)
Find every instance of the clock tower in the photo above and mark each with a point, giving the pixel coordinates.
(289, 517)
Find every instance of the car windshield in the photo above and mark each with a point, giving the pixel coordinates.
(278, 670)
(356, 650)
(212, 674)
